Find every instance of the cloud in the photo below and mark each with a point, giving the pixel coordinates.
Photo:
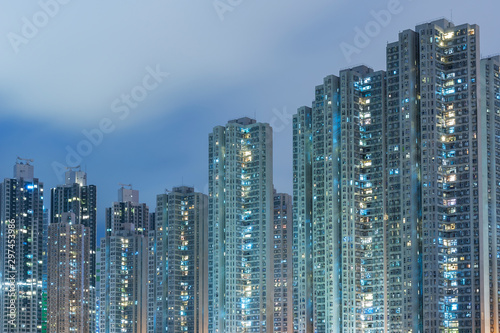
(91, 52)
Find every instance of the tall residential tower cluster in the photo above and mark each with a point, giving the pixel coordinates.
(393, 225)
(395, 191)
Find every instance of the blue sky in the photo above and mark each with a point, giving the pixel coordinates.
(263, 59)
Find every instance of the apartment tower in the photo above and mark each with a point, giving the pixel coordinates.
(123, 290)
(240, 228)
(80, 199)
(282, 261)
(68, 291)
(180, 270)
(21, 251)
(394, 191)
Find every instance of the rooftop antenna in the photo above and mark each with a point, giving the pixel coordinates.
(451, 14)
(123, 185)
(27, 160)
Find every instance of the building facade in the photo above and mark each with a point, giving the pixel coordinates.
(490, 127)
(362, 179)
(180, 270)
(21, 251)
(46, 218)
(403, 185)
(339, 264)
(127, 210)
(240, 225)
(123, 290)
(394, 191)
(98, 275)
(76, 197)
(124, 282)
(282, 261)
(68, 291)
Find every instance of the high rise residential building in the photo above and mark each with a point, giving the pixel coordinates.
(179, 264)
(490, 129)
(338, 205)
(68, 276)
(153, 311)
(21, 251)
(282, 261)
(124, 281)
(316, 207)
(453, 279)
(302, 214)
(123, 290)
(46, 217)
(394, 182)
(240, 228)
(98, 275)
(75, 196)
(362, 178)
(153, 274)
(127, 210)
(403, 185)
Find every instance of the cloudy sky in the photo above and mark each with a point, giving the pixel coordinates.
(156, 76)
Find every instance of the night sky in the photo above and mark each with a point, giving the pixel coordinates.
(157, 76)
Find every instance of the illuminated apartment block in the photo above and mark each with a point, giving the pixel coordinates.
(316, 212)
(282, 261)
(302, 218)
(98, 275)
(240, 228)
(362, 202)
(339, 265)
(127, 210)
(490, 127)
(180, 270)
(403, 185)
(437, 206)
(123, 290)
(407, 160)
(21, 251)
(76, 197)
(124, 282)
(453, 217)
(46, 218)
(68, 276)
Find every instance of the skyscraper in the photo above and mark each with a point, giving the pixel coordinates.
(302, 217)
(124, 281)
(240, 228)
(127, 210)
(46, 218)
(68, 276)
(316, 179)
(98, 275)
(338, 208)
(21, 251)
(490, 127)
(404, 158)
(362, 182)
(123, 289)
(180, 270)
(282, 261)
(453, 221)
(403, 185)
(76, 197)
